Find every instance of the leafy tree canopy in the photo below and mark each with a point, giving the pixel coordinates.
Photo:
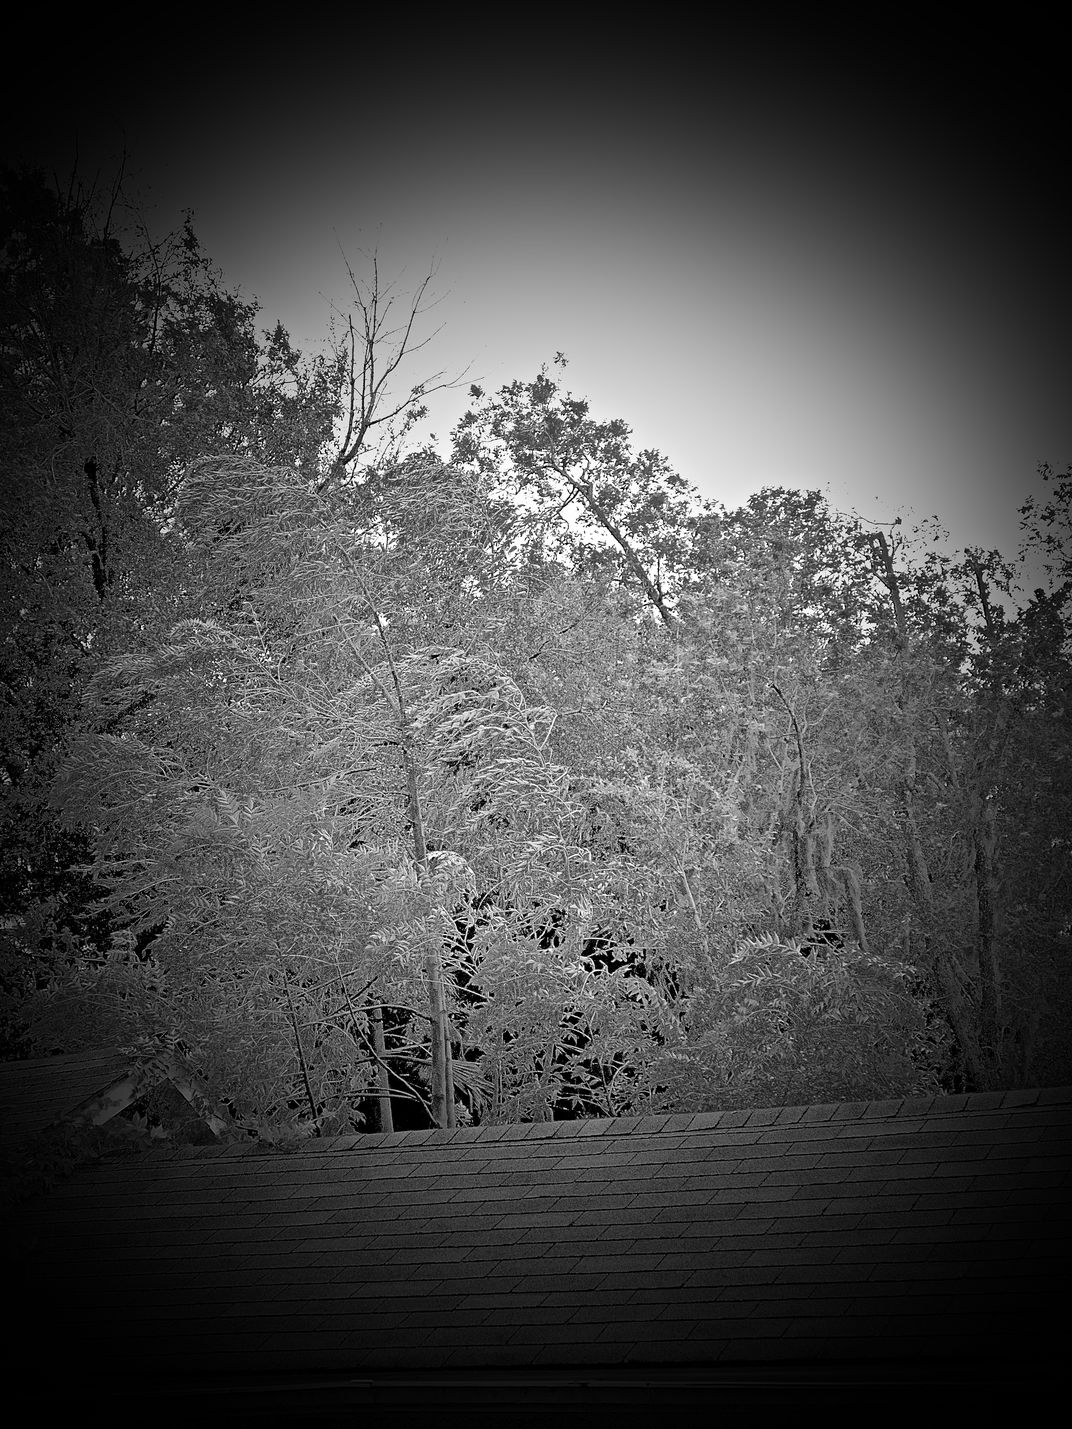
(519, 784)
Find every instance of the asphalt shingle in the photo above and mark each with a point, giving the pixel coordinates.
(921, 1228)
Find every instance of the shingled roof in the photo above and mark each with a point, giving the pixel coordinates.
(891, 1240)
(58, 1111)
(42, 1091)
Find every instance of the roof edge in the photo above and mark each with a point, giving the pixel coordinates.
(835, 1113)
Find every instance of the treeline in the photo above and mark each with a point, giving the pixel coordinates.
(521, 783)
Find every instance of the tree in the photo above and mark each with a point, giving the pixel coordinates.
(396, 786)
(956, 720)
(302, 805)
(626, 510)
(368, 353)
(119, 364)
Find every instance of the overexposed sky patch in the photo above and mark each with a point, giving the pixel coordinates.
(819, 265)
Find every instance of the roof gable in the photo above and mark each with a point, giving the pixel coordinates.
(56, 1112)
(41, 1091)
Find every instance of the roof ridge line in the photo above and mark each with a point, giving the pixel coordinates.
(660, 1123)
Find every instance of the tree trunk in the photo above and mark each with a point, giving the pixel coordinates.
(853, 901)
(984, 839)
(442, 1077)
(384, 1116)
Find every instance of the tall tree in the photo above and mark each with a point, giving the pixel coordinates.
(591, 496)
(118, 365)
(303, 802)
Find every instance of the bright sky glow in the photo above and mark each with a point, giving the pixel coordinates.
(811, 266)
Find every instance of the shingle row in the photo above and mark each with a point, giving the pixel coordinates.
(885, 1228)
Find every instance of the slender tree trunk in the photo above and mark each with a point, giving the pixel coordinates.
(442, 1079)
(313, 1112)
(384, 1116)
(800, 821)
(854, 903)
(984, 838)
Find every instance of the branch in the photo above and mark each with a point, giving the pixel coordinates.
(368, 408)
(301, 1055)
(886, 573)
(584, 489)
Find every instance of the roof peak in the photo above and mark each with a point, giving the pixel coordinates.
(833, 1113)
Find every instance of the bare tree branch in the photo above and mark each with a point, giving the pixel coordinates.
(375, 351)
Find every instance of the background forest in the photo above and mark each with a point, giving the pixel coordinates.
(517, 784)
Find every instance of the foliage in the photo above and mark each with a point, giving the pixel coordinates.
(629, 510)
(326, 754)
(117, 367)
(771, 1027)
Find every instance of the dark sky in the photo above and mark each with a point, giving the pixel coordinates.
(824, 259)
